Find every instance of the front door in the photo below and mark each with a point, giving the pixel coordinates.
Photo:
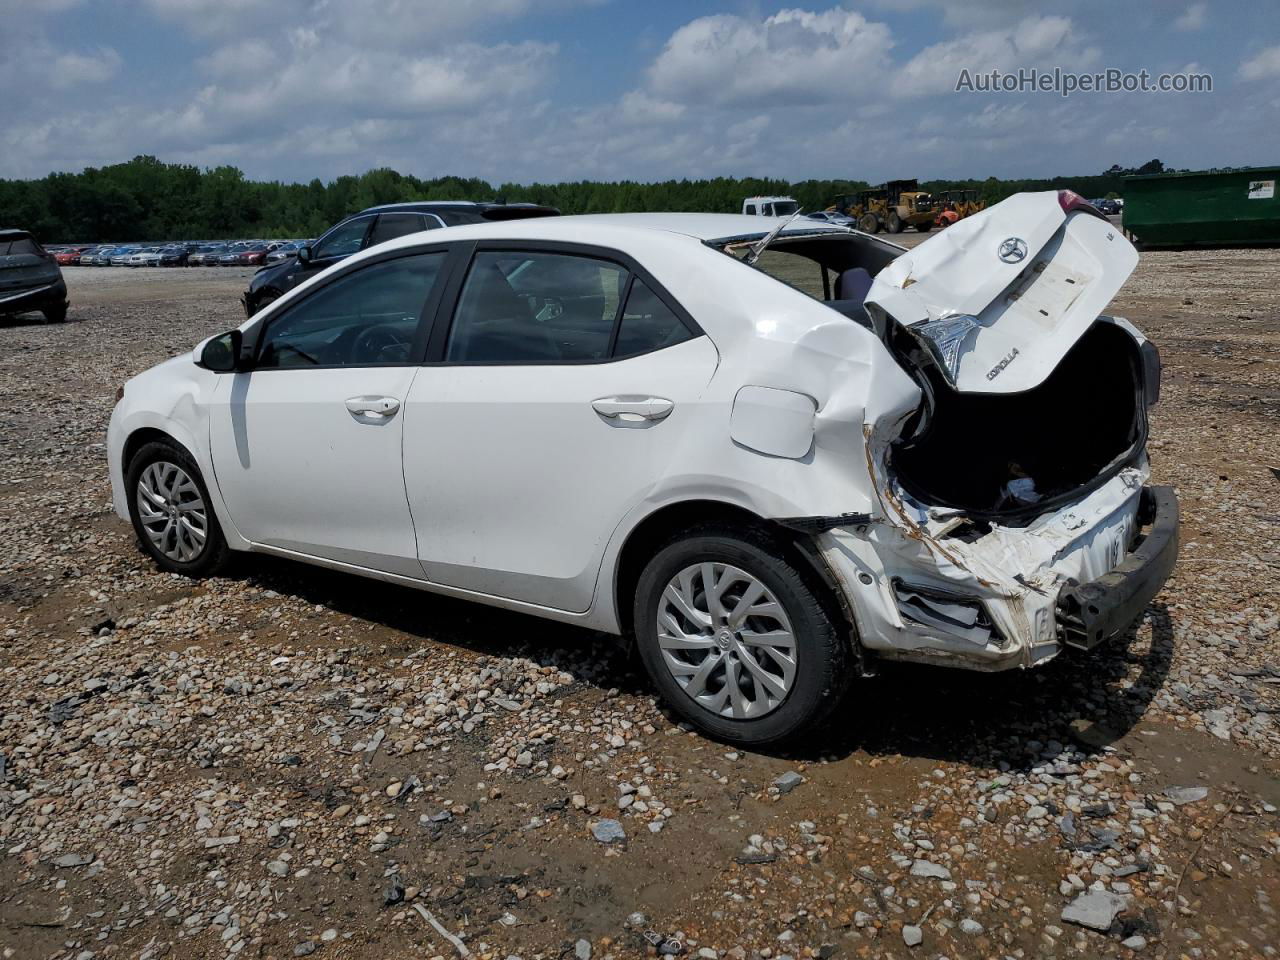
(306, 445)
(567, 387)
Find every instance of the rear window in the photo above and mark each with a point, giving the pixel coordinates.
(800, 273)
(19, 247)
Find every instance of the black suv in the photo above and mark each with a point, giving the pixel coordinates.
(372, 226)
(30, 278)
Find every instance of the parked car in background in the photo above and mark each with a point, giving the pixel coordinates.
(174, 256)
(253, 256)
(145, 257)
(89, 258)
(284, 251)
(207, 255)
(30, 278)
(120, 256)
(369, 228)
(630, 423)
(832, 217)
(66, 256)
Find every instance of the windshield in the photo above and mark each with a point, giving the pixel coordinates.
(785, 208)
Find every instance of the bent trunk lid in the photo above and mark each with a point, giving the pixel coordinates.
(1030, 276)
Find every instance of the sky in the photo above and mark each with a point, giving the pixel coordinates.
(552, 90)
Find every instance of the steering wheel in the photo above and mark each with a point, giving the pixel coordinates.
(371, 343)
(552, 308)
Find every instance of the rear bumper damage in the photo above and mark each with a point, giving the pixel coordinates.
(926, 585)
(38, 297)
(1092, 612)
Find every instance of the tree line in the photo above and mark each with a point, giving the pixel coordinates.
(147, 199)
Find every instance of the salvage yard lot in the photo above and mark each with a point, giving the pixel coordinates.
(288, 761)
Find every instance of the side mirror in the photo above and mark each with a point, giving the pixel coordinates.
(221, 354)
(304, 254)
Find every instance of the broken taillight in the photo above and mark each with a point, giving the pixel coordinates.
(1071, 201)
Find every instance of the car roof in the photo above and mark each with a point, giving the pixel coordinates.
(429, 205)
(699, 226)
(13, 233)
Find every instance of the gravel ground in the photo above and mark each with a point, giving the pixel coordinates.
(288, 762)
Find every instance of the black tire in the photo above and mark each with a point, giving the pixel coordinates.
(56, 314)
(215, 553)
(893, 222)
(265, 301)
(823, 664)
(924, 227)
(869, 223)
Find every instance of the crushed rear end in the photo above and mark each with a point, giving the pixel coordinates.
(1014, 513)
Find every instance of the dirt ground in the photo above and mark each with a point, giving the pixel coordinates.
(286, 761)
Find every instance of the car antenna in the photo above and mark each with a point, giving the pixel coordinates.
(758, 248)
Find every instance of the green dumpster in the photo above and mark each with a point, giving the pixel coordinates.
(1234, 208)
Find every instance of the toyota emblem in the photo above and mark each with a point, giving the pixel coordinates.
(1013, 250)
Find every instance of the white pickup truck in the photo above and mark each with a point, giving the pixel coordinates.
(769, 206)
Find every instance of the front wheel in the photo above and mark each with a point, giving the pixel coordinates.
(737, 640)
(56, 314)
(171, 511)
(869, 223)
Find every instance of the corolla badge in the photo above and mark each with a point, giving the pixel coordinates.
(1013, 250)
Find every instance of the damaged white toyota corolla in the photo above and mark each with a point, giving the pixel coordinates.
(773, 459)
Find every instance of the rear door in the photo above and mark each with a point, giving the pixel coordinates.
(1004, 294)
(565, 386)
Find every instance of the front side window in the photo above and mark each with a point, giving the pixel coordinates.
(519, 307)
(343, 240)
(368, 317)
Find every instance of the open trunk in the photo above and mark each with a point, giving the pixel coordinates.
(1031, 397)
(1009, 454)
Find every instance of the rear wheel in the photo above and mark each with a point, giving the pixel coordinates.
(736, 639)
(56, 314)
(171, 511)
(924, 227)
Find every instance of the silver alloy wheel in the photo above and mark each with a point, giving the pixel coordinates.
(172, 512)
(726, 640)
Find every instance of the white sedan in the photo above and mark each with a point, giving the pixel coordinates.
(771, 457)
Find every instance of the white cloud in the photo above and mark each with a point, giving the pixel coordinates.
(382, 24)
(1262, 65)
(1193, 19)
(72, 69)
(1034, 42)
(639, 107)
(792, 57)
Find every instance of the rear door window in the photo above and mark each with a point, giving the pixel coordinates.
(392, 225)
(533, 307)
(647, 324)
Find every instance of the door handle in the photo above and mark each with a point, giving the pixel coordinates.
(633, 409)
(375, 409)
